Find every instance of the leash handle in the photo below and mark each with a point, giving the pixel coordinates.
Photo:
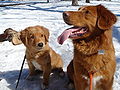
(20, 72)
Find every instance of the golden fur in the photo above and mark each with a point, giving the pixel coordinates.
(93, 51)
(42, 54)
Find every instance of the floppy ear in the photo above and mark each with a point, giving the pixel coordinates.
(23, 36)
(105, 18)
(16, 39)
(46, 33)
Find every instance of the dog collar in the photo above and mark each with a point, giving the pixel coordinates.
(101, 52)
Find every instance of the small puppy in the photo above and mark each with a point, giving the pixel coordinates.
(39, 54)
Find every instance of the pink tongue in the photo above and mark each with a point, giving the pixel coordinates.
(64, 36)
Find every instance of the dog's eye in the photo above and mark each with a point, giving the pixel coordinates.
(87, 12)
(41, 35)
(79, 9)
(31, 36)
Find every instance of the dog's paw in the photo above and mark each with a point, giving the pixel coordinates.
(62, 74)
(59, 72)
(44, 87)
(70, 86)
(38, 72)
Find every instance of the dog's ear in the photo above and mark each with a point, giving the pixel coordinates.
(23, 36)
(46, 33)
(105, 18)
(16, 39)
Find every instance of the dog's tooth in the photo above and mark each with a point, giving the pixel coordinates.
(81, 31)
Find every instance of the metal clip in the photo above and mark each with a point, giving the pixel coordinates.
(101, 52)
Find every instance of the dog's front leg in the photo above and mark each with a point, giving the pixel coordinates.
(31, 71)
(79, 81)
(46, 74)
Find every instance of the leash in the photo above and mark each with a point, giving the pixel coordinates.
(91, 79)
(20, 72)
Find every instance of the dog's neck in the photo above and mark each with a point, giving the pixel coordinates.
(100, 45)
(94, 44)
(87, 47)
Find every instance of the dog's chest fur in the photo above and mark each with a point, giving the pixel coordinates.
(36, 65)
(94, 81)
(38, 59)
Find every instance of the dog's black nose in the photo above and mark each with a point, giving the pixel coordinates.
(65, 14)
(40, 44)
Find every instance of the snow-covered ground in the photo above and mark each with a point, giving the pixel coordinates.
(50, 16)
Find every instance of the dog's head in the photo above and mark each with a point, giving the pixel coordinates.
(35, 37)
(86, 22)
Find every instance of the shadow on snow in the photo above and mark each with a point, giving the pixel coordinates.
(56, 82)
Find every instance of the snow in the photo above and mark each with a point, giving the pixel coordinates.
(50, 16)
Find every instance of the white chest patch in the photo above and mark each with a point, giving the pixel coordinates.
(36, 56)
(36, 65)
(94, 82)
(96, 79)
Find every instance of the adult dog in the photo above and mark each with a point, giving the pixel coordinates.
(39, 54)
(93, 65)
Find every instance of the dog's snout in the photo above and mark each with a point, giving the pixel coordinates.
(65, 14)
(40, 44)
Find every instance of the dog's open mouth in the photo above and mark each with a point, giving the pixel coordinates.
(77, 31)
(72, 32)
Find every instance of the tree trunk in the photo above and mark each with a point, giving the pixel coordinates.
(87, 1)
(74, 2)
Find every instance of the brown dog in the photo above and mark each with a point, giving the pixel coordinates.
(39, 54)
(93, 65)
